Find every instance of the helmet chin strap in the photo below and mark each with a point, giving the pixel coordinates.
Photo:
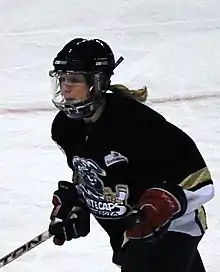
(100, 109)
(119, 61)
(97, 113)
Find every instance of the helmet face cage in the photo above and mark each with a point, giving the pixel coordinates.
(82, 61)
(77, 108)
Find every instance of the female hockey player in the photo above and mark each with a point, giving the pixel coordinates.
(141, 177)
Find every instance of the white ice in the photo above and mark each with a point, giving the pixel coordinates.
(171, 46)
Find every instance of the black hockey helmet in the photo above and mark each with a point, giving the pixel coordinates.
(91, 59)
(84, 55)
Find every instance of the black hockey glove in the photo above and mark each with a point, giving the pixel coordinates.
(70, 217)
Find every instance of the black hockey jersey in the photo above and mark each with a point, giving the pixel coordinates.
(129, 149)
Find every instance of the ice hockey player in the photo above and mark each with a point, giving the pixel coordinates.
(141, 177)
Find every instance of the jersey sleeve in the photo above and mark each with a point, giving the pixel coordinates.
(185, 166)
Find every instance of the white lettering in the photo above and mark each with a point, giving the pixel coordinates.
(106, 208)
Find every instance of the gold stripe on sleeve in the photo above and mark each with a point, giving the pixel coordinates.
(199, 177)
(202, 218)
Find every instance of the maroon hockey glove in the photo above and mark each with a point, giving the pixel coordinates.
(154, 211)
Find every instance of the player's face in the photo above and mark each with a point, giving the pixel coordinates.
(74, 87)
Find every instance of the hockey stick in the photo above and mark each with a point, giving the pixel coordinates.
(24, 248)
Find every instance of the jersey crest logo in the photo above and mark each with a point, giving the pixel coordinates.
(87, 172)
(102, 201)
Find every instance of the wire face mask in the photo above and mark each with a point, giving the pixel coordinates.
(81, 75)
(78, 94)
